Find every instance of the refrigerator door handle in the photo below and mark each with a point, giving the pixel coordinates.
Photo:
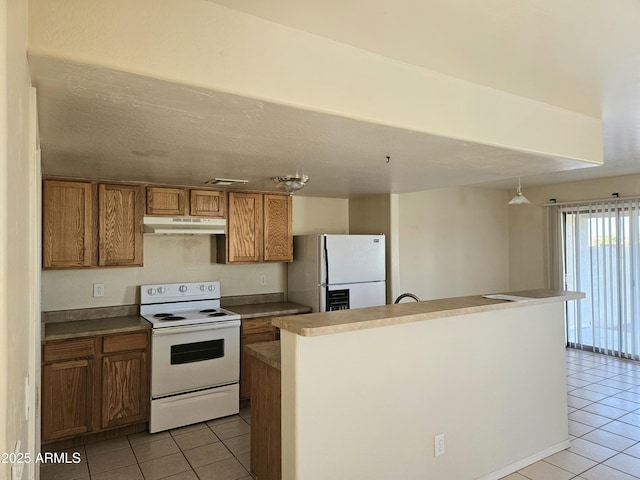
(326, 260)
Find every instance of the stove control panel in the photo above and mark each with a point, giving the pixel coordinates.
(175, 292)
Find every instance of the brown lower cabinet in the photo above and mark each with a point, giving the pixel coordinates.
(254, 330)
(123, 399)
(92, 384)
(67, 398)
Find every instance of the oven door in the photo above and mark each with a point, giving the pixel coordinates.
(189, 358)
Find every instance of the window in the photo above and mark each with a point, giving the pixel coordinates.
(601, 258)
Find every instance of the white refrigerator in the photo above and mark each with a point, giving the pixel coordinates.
(337, 272)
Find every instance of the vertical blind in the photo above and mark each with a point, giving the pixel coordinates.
(599, 254)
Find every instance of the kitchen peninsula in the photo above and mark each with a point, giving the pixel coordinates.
(365, 392)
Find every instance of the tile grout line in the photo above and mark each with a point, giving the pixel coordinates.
(613, 377)
(590, 366)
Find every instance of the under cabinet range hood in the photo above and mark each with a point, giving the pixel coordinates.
(184, 226)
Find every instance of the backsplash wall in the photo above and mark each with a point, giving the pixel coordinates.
(167, 259)
(187, 258)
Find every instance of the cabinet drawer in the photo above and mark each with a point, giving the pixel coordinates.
(125, 342)
(69, 349)
(257, 325)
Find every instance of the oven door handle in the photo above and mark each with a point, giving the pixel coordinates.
(195, 328)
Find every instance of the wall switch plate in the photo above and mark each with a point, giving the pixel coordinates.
(438, 448)
(263, 280)
(98, 289)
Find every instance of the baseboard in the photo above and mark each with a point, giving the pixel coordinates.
(525, 462)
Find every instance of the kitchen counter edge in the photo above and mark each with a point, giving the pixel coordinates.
(93, 327)
(267, 352)
(271, 309)
(63, 330)
(328, 323)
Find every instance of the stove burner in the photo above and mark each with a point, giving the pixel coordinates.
(217, 314)
(172, 317)
(162, 315)
(209, 310)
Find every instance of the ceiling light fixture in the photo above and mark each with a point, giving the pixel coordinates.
(519, 198)
(291, 183)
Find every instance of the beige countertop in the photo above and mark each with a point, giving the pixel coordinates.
(328, 323)
(267, 352)
(95, 326)
(89, 322)
(270, 309)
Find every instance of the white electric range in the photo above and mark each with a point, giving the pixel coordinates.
(195, 354)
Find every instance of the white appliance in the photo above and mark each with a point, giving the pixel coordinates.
(195, 354)
(184, 226)
(337, 272)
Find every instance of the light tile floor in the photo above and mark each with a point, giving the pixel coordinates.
(215, 450)
(604, 422)
(604, 427)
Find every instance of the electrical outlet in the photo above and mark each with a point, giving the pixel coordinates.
(98, 289)
(263, 280)
(438, 447)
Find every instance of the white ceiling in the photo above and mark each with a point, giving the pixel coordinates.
(100, 123)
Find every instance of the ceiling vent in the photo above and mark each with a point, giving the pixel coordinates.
(226, 182)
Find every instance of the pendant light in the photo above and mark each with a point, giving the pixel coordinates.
(519, 198)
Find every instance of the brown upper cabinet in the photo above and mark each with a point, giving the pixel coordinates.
(120, 210)
(278, 235)
(166, 201)
(206, 203)
(171, 201)
(67, 224)
(259, 229)
(87, 224)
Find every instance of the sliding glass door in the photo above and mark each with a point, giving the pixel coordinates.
(601, 258)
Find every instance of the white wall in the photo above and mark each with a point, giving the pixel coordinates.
(188, 258)
(256, 58)
(320, 215)
(528, 251)
(373, 214)
(453, 242)
(370, 409)
(18, 239)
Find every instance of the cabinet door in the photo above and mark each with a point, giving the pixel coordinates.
(120, 225)
(67, 398)
(206, 203)
(278, 236)
(67, 230)
(166, 201)
(244, 238)
(125, 395)
(245, 360)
